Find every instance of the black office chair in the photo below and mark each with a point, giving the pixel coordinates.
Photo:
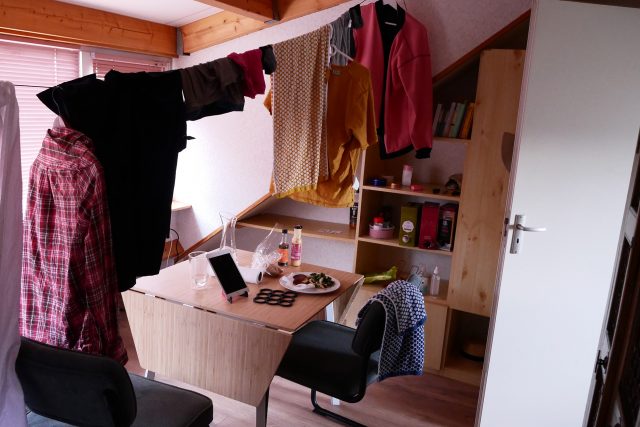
(336, 360)
(63, 386)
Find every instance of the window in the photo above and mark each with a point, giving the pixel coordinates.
(32, 68)
(124, 63)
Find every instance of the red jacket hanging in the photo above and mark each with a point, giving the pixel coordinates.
(403, 100)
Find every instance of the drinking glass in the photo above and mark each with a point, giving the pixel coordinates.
(198, 268)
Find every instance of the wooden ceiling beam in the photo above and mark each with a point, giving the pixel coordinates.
(260, 10)
(62, 22)
(292, 9)
(216, 29)
(225, 26)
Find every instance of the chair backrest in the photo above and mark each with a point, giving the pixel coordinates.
(368, 336)
(73, 387)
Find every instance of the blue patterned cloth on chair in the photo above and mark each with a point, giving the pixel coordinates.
(402, 351)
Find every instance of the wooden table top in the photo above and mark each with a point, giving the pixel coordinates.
(174, 284)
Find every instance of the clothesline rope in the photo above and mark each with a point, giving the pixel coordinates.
(41, 87)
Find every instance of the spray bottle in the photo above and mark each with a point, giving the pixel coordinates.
(434, 283)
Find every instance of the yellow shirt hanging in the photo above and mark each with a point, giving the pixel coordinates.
(351, 128)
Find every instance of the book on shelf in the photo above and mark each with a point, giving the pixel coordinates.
(441, 119)
(453, 120)
(446, 123)
(465, 131)
(437, 117)
(456, 122)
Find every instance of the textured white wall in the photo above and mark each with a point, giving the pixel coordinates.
(228, 166)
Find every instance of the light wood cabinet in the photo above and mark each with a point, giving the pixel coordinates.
(459, 318)
(480, 226)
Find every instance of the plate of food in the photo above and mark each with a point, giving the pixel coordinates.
(310, 282)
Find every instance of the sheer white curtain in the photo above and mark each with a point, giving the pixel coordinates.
(11, 401)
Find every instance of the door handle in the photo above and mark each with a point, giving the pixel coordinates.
(534, 229)
(518, 227)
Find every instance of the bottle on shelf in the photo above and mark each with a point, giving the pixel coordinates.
(407, 172)
(353, 213)
(434, 283)
(283, 248)
(296, 246)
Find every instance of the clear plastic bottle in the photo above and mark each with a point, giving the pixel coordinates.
(434, 283)
(407, 172)
(296, 246)
(283, 248)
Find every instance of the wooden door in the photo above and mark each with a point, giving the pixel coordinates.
(615, 386)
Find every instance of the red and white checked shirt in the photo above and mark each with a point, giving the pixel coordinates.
(69, 285)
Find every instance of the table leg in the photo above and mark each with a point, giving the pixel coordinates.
(261, 410)
(330, 315)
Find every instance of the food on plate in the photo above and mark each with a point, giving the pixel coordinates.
(320, 280)
(300, 278)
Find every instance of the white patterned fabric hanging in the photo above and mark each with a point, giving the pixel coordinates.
(299, 113)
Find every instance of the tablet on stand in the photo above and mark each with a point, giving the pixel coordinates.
(228, 275)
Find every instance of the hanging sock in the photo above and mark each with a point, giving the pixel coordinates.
(253, 78)
(269, 62)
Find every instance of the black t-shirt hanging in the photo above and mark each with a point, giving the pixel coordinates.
(136, 121)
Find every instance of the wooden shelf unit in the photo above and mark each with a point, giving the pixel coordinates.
(427, 192)
(493, 81)
(462, 369)
(451, 140)
(310, 228)
(394, 242)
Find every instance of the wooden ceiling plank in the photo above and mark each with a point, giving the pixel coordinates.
(217, 29)
(260, 10)
(292, 9)
(225, 26)
(62, 22)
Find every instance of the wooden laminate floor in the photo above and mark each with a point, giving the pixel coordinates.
(427, 400)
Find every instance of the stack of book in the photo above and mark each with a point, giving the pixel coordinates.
(454, 121)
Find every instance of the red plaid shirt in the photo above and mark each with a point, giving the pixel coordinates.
(69, 285)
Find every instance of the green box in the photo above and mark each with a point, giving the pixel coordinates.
(409, 225)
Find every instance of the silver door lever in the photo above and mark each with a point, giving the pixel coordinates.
(535, 229)
(518, 227)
